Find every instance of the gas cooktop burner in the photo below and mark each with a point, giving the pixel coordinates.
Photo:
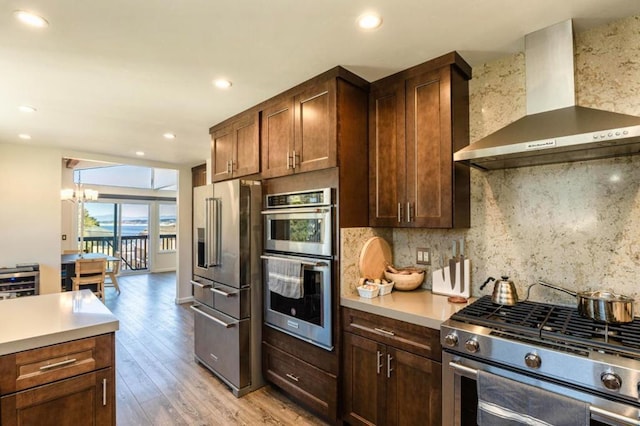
(553, 323)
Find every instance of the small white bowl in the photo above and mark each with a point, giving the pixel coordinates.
(384, 286)
(368, 293)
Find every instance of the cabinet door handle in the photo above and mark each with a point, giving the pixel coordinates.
(409, 212)
(292, 377)
(379, 362)
(295, 157)
(383, 331)
(104, 392)
(399, 212)
(58, 364)
(288, 161)
(232, 165)
(389, 369)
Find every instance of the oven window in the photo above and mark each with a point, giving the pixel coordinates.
(297, 230)
(309, 307)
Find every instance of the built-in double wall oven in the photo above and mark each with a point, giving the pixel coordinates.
(297, 262)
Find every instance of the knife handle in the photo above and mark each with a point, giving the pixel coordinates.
(462, 247)
(455, 242)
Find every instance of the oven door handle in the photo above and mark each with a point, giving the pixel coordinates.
(293, 260)
(323, 209)
(594, 410)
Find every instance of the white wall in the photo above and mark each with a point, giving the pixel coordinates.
(30, 214)
(183, 275)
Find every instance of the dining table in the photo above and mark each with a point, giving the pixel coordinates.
(68, 266)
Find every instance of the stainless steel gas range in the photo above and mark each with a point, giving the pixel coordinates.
(545, 346)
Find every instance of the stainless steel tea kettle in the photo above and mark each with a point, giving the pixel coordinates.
(504, 291)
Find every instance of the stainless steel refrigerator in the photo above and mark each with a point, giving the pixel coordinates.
(227, 285)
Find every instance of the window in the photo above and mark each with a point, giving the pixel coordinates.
(129, 176)
(167, 227)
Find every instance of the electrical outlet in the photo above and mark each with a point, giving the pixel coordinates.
(64, 237)
(423, 256)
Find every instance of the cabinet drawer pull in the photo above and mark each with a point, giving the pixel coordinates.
(383, 331)
(58, 364)
(292, 377)
(104, 392)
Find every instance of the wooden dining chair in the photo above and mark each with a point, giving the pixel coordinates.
(90, 272)
(113, 272)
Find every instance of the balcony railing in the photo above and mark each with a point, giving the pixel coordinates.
(134, 249)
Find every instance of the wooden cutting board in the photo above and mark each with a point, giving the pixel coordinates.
(374, 257)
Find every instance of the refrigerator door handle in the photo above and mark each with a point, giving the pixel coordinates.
(207, 227)
(215, 235)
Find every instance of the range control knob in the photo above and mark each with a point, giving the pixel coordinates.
(532, 360)
(472, 345)
(611, 381)
(451, 340)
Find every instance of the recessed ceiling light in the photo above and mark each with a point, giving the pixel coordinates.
(369, 21)
(31, 19)
(169, 135)
(24, 136)
(140, 153)
(222, 83)
(26, 108)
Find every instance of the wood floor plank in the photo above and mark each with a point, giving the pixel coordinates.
(158, 380)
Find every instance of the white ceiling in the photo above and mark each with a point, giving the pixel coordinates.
(110, 77)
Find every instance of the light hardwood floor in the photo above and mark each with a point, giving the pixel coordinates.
(159, 383)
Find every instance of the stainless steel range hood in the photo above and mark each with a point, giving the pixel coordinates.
(555, 130)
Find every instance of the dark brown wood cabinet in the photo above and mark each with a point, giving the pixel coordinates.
(199, 175)
(391, 371)
(299, 128)
(235, 147)
(65, 384)
(418, 118)
(310, 385)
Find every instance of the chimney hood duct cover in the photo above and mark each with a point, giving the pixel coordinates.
(555, 130)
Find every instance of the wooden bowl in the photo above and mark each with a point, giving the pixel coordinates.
(405, 282)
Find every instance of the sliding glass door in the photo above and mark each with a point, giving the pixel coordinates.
(122, 228)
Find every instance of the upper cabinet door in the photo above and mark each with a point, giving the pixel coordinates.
(315, 128)
(246, 159)
(422, 115)
(235, 147)
(386, 155)
(222, 142)
(429, 150)
(277, 139)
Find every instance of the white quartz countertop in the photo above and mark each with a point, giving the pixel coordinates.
(36, 321)
(419, 307)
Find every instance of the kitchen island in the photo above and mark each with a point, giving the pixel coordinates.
(57, 360)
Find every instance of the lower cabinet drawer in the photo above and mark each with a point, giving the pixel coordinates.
(413, 338)
(24, 370)
(311, 386)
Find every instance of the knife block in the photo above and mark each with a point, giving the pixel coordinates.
(442, 285)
